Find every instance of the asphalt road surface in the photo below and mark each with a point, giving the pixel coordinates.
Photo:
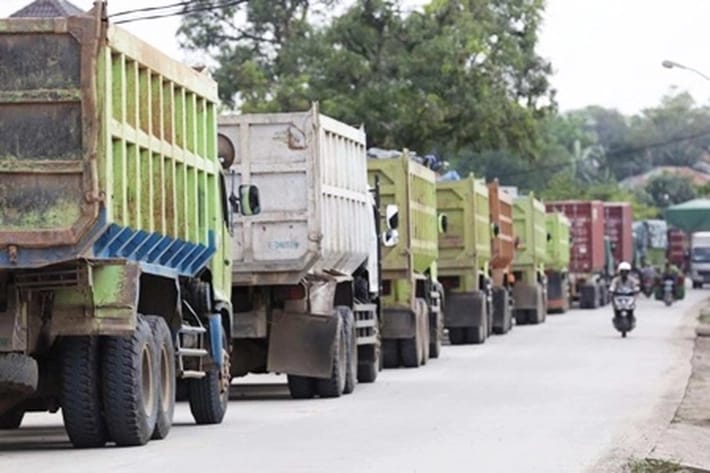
(559, 397)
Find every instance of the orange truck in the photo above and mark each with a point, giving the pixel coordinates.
(502, 252)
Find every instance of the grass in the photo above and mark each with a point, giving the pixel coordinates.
(653, 466)
(704, 318)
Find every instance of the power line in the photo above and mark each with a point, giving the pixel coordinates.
(149, 9)
(610, 153)
(185, 10)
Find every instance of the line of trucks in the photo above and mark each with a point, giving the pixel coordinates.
(152, 250)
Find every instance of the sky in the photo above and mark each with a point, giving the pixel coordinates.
(604, 52)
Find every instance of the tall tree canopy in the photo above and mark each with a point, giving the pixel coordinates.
(458, 74)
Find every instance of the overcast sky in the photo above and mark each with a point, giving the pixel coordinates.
(605, 52)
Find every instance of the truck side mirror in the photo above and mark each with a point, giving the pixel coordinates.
(249, 200)
(549, 236)
(496, 230)
(443, 223)
(390, 238)
(392, 216)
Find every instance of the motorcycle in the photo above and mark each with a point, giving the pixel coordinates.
(647, 285)
(668, 291)
(624, 304)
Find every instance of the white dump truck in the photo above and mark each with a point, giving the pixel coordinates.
(305, 271)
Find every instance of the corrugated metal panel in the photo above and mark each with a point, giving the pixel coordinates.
(618, 226)
(316, 214)
(558, 244)
(465, 248)
(412, 187)
(530, 231)
(677, 247)
(587, 230)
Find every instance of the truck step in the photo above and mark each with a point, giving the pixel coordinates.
(368, 323)
(193, 374)
(366, 340)
(364, 308)
(196, 352)
(192, 330)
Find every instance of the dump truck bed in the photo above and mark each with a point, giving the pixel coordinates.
(107, 150)
(558, 244)
(530, 231)
(618, 227)
(412, 187)
(465, 247)
(501, 215)
(316, 212)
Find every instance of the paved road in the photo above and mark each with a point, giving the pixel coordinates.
(551, 398)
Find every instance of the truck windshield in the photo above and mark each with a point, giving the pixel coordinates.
(701, 255)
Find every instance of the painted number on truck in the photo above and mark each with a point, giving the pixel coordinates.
(283, 245)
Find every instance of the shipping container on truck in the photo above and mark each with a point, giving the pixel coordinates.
(557, 262)
(114, 232)
(305, 271)
(412, 321)
(589, 260)
(502, 253)
(529, 291)
(464, 256)
(618, 228)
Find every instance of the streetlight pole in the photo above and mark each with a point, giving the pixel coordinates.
(674, 65)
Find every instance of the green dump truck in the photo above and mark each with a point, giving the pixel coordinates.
(412, 320)
(114, 233)
(557, 262)
(464, 257)
(529, 291)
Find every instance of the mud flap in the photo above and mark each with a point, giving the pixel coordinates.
(465, 309)
(302, 344)
(398, 324)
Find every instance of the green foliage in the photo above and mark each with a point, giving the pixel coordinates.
(459, 74)
(668, 189)
(653, 466)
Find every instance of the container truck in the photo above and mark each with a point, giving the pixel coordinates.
(114, 233)
(618, 228)
(529, 291)
(502, 252)
(305, 271)
(464, 256)
(412, 319)
(678, 248)
(557, 262)
(589, 262)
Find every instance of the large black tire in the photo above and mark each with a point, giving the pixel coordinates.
(209, 396)
(335, 385)
(367, 371)
(390, 353)
(476, 335)
(457, 335)
(346, 315)
(436, 326)
(521, 317)
(81, 400)
(409, 353)
(130, 392)
(19, 375)
(301, 387)
(12, 419)
(165, 375)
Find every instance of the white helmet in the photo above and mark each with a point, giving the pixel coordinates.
(624, 266)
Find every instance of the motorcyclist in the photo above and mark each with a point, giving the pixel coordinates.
(670, 271)
(624, 280)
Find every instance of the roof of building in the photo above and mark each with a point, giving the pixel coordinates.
(48, 9)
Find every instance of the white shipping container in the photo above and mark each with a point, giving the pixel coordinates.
(316, 215)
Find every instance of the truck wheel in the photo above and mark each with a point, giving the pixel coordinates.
(435, 327)
(476, 335)
(410, 352)
(165, 375)
(81, 400)
(457, 335)
(367, 371)
(130, 390)
(346, 315)
(521, 317)
(301, 387)
(390, 353)
(209, 396)
(335, 385)
(12, 419)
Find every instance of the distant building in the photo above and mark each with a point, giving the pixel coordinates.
(48, 9)
(696, 177)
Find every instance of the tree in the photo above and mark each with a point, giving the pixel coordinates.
(669, 189)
